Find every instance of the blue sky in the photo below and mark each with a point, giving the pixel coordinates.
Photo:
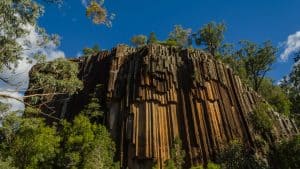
(254, 20)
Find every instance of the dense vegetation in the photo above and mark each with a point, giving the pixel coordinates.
(27, 141)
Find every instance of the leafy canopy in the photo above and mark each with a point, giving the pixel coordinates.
(139, 40)
(15, 15)
(180, 36)
(211, 36)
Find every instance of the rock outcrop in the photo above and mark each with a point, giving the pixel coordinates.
(155, 94)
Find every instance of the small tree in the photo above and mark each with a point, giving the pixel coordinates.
(287, 154)
(211, 36)
(275, 96)
(257, 61)
(177, 154)
(139, 40)
(180, 35)
(91, 51)
(236, 156)
(86, 145)
(50, 79)
(260, 119)
(152, 38)
(28, 142)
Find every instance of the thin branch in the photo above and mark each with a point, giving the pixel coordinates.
(27, 104)
(44, 94)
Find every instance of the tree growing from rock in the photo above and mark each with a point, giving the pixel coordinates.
(139, 40)
(257, 61)
(152, 38)
(180, 36)
(211, 36)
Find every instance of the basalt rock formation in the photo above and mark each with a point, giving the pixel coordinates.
(156, 93)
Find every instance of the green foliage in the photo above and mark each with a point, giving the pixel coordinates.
(197, 167)
(251, 62)
(28, 142)
(211, 35)
(91, 51)
(170, 164)
(210, 165)
(180, 36)
(56, 77)
(86, 145)
(169, 42)
(96, 12)
(236, 156)
(177, 154)
(275, 96)
(4, 108)
(80, 144)
(260, 119)
(152, 39)
(291, 84)
(232, 156)
(139, 40)
(93, 109)
(99, 15)
(257, 61)
(6, 163)
(287, 154)
(14, 14)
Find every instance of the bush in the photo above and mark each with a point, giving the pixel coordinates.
(275, 96)
(260, 119)
(236, 156)
(287, 154)
(210, 165)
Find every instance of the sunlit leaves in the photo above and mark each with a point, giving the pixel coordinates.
(55, 77)
(99, 15)
(14, 16)
(211, 36)
(180, 35)
(139, 40)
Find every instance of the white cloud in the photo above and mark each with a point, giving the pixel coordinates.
(30, 44)
(291, 45)
(79, 54)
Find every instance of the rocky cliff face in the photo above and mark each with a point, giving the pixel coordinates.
(155, 94)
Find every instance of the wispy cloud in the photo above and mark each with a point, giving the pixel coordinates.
(291, 45)
(30, 44)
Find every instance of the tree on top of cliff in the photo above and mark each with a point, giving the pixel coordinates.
(91, 51)
(152, 38)
(139, 40)
(257, 61)
(180, 36)
(211, 36)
